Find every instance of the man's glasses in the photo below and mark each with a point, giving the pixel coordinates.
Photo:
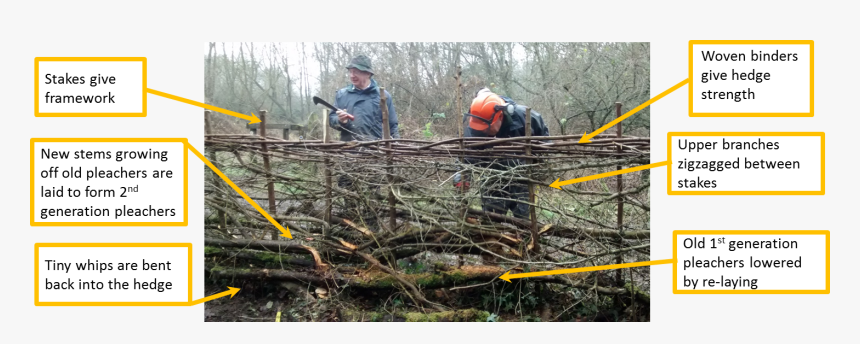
(355, 71)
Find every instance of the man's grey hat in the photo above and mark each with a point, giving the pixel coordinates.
(361, 62)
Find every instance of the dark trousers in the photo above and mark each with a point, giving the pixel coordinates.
(351, 205)
(517, 196)
(353, 208)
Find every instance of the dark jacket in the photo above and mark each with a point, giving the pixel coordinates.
(364, 105)
(515, 126)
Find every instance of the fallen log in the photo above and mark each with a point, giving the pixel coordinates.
(274, 274)
(466, 275)
(271, 245)
(415, 293)
(373, 279)
(470, 315)
(260, 256)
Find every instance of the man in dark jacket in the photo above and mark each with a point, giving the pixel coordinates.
(360, 117)
(491, 115)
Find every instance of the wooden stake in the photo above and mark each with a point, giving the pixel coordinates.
(532, 211)
(327, 172)
(386, 134)
(270, 182)
(463, 177)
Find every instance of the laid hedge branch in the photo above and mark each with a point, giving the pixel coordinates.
(469, 315)
(375, 279)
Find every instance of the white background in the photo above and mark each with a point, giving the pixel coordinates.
(172, 36)
(787, 90)
(178, 273)
(804, 149)
(810, 275)
(127, 89)
(161, 193)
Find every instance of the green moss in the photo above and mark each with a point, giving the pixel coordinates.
(421, 317)
(238, 270)
(268, 257)
(211, 250)
(428, 280)
(635, 290)
(458, 276)
(459, 315)
(425, 280)
(386, 282)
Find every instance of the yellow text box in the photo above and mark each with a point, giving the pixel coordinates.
(37, 95)
(33, 221)
(110, 303)
(670, 135)
(675, 235)
(811, 112)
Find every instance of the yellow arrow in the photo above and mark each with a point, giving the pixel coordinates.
(230, 292)
(586, 138)
(252, 118)
(285, 232)
(558, 183)
(507, 276)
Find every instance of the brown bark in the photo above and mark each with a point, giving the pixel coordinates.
(456, 315)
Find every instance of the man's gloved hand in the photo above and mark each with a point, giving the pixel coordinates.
(459, 181)
(465, 187)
